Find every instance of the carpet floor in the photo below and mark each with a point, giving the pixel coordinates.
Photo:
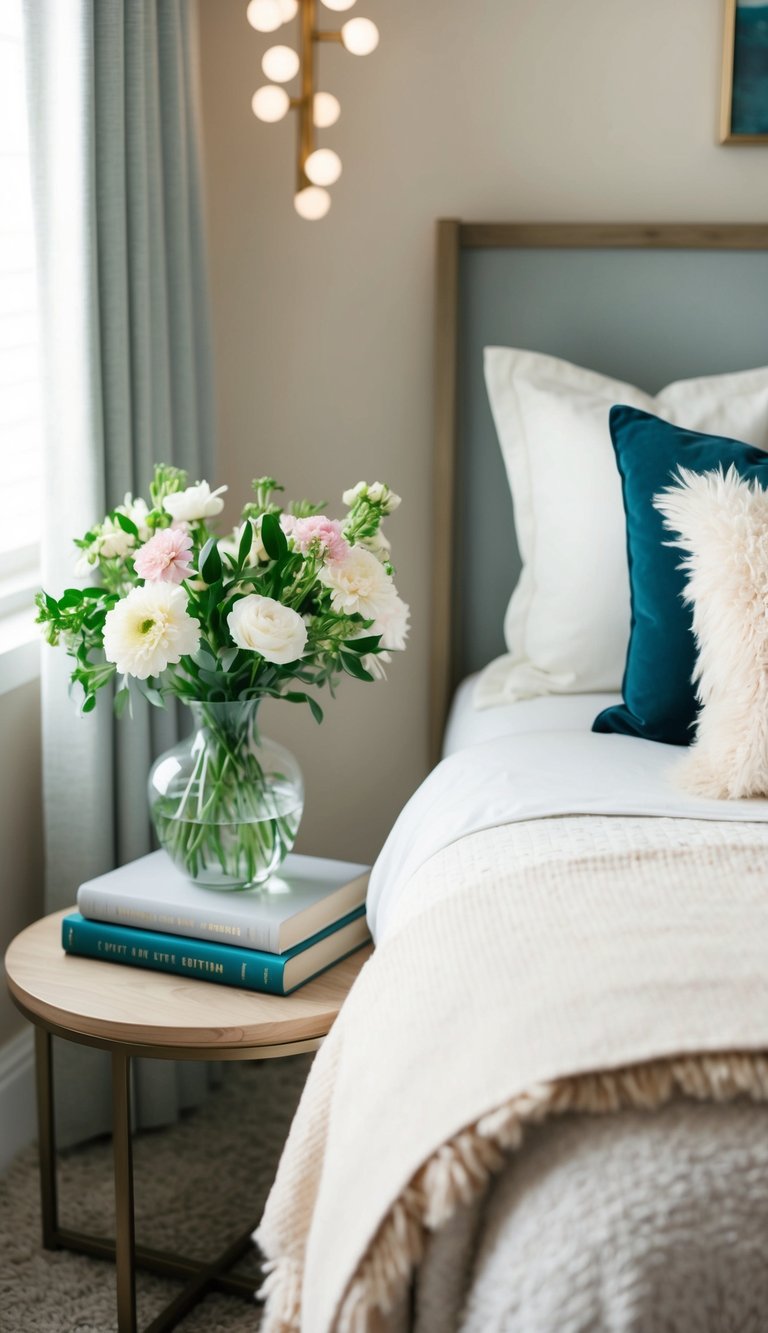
(197, 1186)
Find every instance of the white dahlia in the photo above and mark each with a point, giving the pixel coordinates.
(149, 630)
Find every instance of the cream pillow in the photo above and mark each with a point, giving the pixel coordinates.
(720, 521)
(567, 623)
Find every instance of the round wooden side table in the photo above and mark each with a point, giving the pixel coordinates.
(131, 1012)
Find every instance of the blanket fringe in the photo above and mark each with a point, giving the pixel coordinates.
(281, 1290)
(461, 1169)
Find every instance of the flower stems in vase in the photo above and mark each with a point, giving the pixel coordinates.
(227, 802)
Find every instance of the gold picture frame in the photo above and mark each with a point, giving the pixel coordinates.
(744, 90)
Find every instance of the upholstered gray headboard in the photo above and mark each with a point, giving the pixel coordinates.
(647, 304)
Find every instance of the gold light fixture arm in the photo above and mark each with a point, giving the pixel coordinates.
(308, 19)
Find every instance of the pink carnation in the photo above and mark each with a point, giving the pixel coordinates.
(325, 531)
(165, 558)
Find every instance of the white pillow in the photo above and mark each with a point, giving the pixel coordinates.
(567, 623)
(721, 523)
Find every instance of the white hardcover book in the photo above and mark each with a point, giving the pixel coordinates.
(308, 895)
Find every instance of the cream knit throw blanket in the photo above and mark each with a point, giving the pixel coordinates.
(627, 972)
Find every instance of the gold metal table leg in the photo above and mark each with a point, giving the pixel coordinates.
(125, 1242)
(199, 1277)
(46, 1137)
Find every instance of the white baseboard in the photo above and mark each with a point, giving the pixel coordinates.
(18, 1123)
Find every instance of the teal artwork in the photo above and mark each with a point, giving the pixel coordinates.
(749, 100)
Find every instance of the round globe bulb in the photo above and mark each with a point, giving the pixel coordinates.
(289, 9)
(338, 5)
(323, 167)
(270, 103)
(311, 203)
(325, 110)
(264, 15)
(280, 63)
(360, 36)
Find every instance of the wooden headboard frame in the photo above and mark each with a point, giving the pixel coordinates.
(453, 237)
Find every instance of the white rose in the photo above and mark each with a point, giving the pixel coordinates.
(265, 626)
(359, 584)
(195, 503)
(149, 629)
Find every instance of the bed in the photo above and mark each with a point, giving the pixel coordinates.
(543, 1106)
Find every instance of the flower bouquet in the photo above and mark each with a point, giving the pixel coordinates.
(290, 600)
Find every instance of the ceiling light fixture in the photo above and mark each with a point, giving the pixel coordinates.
(316, 167)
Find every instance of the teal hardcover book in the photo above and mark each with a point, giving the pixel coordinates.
(226, 964)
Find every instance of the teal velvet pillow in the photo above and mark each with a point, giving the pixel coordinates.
(659, 703)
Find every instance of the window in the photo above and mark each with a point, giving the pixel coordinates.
(20, 379)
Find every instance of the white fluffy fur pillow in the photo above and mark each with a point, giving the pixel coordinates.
(721, 523)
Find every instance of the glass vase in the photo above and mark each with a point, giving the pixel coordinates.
(226, 802)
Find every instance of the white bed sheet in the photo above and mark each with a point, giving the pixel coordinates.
(524, 773)
(468, 725)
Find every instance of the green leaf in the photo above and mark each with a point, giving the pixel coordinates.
(71, 597)
(354, 667)
(152, 695)
(100, 674)
(315, 709)
(367, 645)
(122, 701)
(273, 537)
(295, 697)
(213, 598)
(126, 523)
(93, 592)
(246, 541)
(89, 703)
(227, 657)
(210, 561)
(205, 659)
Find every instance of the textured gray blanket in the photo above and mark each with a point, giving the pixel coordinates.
(588, 974)
(629, 1223)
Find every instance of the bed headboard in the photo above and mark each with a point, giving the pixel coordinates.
(644, 303)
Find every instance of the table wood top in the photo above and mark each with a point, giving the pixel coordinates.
(197, 1019)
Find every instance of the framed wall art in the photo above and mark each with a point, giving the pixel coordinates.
(744, 100)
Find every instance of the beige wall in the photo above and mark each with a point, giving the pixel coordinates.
(21, 831)
(485, 109)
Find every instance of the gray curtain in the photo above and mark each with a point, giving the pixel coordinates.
(128, 382)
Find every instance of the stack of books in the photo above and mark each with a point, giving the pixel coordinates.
(273, 938)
